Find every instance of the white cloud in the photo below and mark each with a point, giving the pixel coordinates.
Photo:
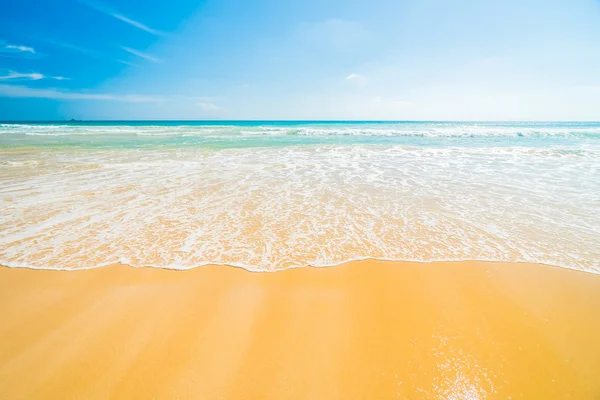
(108, 11)
(16, 50)
(138, 25)
(34, 76)
(19, 48)
(23, 91)
(357, 79)
(209, 107)
(139, 54)
(127, 63)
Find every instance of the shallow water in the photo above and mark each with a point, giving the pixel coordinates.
(271, 195)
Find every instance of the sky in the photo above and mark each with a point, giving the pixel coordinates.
(310, 59)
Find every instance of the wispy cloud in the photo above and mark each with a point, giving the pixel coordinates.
(358, 79)
(23, 91)
(16, 50)
(127, 63)
(33, 76)
(139, 54)
(15, 47)
(138, 25)
(105, 9)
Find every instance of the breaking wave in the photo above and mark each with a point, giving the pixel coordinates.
(271, 208)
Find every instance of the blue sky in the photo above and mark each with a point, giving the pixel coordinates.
(312, 59)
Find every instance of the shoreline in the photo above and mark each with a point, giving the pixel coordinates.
(365, 329)
(311, 266)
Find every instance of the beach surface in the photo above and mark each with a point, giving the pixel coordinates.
(363, 330)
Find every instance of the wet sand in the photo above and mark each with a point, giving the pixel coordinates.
(364, 330)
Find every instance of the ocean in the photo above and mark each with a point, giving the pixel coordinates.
(270, 195)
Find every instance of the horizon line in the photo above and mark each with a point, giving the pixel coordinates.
(296, 120)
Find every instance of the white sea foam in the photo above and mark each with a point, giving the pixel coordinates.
(439, 130)
(271, 208)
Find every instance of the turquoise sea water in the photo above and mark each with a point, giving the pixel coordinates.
(268, 195)
(238, 134)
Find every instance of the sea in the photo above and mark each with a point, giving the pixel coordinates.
(271, 195)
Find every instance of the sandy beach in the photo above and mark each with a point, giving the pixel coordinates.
(299, 200)
(364, 330)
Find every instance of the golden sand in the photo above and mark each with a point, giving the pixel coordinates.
(365, 330)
